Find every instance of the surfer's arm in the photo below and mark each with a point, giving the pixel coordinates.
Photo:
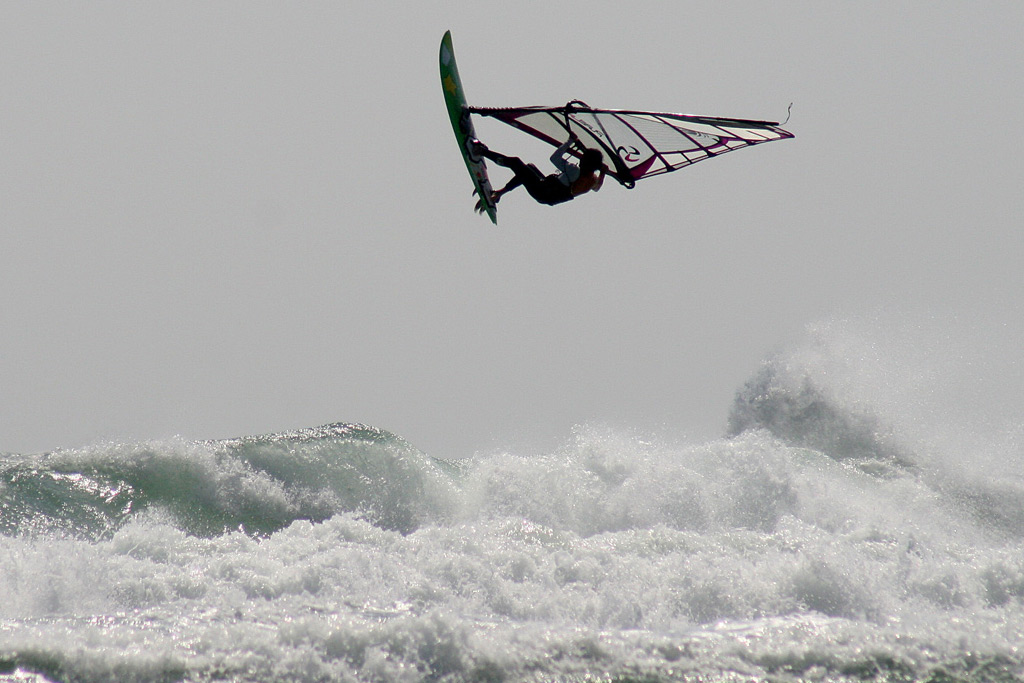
(560, 159)
(568, 172)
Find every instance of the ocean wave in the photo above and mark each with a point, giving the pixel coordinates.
(836, 532)
(257, 484)
(789, 401)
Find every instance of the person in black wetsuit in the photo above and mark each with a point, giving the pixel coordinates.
(570, 181)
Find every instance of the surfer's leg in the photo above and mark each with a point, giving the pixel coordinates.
(530, 177)
(525, 174)
(500, 159)
(509, 186)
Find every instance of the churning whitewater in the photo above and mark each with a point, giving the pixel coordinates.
(862, 518)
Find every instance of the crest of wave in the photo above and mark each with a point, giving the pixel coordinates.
(904, 395)
(258, 484)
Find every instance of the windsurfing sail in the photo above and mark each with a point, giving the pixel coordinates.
(637, 144)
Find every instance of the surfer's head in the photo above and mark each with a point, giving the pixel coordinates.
(591, 160)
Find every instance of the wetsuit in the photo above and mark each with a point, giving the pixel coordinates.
(546, 189)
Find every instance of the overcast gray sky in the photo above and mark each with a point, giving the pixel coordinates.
(232, 218)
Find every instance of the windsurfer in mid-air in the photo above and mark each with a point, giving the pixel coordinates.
(571, 180)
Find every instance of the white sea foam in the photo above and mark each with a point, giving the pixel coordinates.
(618, 556)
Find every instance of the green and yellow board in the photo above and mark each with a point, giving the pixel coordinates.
(455, 99)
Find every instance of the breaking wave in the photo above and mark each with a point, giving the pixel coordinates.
(257, 484)
(860, 520)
